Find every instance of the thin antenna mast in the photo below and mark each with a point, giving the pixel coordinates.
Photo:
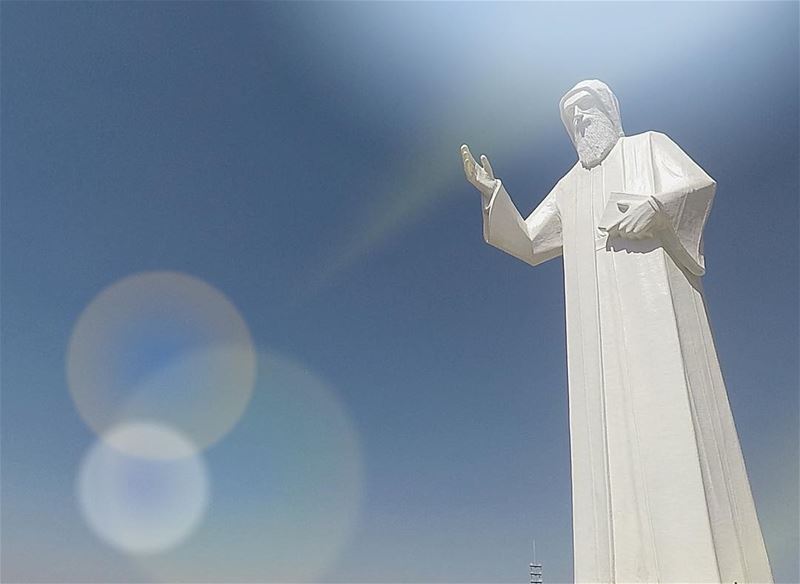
(535, 568)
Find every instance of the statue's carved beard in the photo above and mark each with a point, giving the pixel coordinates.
(597, 141)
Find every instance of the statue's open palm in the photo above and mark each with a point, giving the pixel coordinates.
(481, 176)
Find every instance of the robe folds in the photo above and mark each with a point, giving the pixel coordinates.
(659, 487)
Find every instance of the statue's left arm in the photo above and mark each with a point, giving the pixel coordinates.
(684, 194)
(677, 211)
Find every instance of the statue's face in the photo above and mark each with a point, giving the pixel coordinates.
(592, 131)
(583, 110)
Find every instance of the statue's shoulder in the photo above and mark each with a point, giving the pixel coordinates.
(652, 136)
(577, 167)
(566, 181)
(655, 141)
(647, 136)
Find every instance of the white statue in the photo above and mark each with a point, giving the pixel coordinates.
(659, 488)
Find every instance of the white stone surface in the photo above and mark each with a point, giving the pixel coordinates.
(659, 487)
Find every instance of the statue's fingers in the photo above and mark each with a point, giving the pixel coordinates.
(638, 227)
(467, 154)
(613, 230)
(469, 168)
(487, 166)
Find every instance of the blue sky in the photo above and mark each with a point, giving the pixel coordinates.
(409, 416)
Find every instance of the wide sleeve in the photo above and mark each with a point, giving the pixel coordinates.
(684, 194)
(533, 240)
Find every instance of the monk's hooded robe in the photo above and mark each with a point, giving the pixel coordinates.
(659, 488)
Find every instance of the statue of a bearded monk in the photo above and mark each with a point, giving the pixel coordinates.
(659, 487)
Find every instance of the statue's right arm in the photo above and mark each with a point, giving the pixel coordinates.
(533, 240)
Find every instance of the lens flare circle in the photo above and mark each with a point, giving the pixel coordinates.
(162, 346)
(287, 487)
(149, 496)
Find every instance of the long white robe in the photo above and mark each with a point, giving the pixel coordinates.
(659, 488)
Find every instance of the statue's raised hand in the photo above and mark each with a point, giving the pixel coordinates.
(481, 175)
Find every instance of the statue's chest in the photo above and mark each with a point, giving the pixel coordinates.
(582, 202)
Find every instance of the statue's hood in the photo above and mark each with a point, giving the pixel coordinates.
(602, 94)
